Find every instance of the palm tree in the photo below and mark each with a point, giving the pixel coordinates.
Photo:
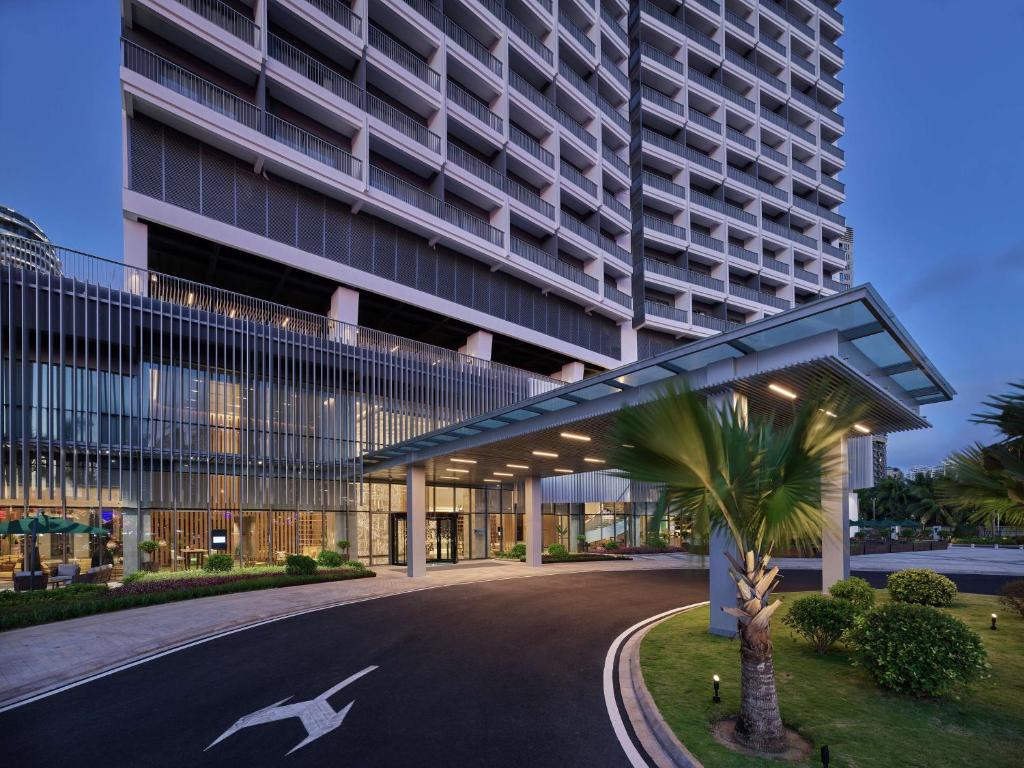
(891, 498)
(923, 506)
(988, 481)
(759, 481)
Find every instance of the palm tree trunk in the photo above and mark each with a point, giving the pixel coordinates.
(759, 725)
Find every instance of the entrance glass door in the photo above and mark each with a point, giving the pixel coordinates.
(440, 539)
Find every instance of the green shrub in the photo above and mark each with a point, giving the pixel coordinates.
(921, 586)
(1012, 596)
(149, 546)
(820, 620)
(329, 559)
(299, 565)
(856, 591)
(219, 562)
(611, 544)
(917, 649)
(517, 551)
(343, 544)
(354, 564)
(558, 550)
(133, 577)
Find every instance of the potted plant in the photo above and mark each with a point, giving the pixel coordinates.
(150, 547)
(343, 545)
(581, 540)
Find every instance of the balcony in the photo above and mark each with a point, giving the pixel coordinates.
(707, 241)
(418, 198)
(664, 227)
(460, 157)
(790, 234)
(817, 210)
(402, 123)
(577, 82)
(741, 291)
(569, 123)
(619, 297)
(835, 184)
(833, 150)
(752, 181)
(832, 48)
(340, 13)
(575, 175)
(169, 75)
(774, 154)
(664, 185)
(553, 264)
(610, 247)
(575, 32)
(474, 106)
(525, 141)
(803, 63)
(225, 17)
(704, 121)
(743, 254)
(617, 74)
(614, 160)
(745, 141)
(680, 26)
(805, 275)
(831, 250)
(405, 57)
(578, 228)
(657, 309)
(530, 199)
(663, 59)
(535, 97)
(749, 66)
(789, 17)
(665, 269)
(775, 265)
(660, 99)
(472, 46)
(613, 114)
(533, 42)
(674, 147)
(831, 81)
(739, 23)
(772, 44)
(805, 169)
(714, 323)
(317, 73)
(834, 285)
(617, 207)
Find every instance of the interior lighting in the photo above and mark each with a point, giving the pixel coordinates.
(545, 454)
(503, 474)
(591, 460)
(457, 471)
(780, 390)
(517, 466)
(575, 436)
(491, 480)
(463, 461)
(862, 429)
(563, 471)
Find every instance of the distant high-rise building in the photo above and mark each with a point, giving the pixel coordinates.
(846, 244)
(32, 248)
(879, 456)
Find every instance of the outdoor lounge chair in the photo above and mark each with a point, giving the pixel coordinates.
(25, 581)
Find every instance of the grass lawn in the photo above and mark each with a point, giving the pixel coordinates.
(831, 702)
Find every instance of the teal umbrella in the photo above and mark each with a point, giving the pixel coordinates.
(44, 524)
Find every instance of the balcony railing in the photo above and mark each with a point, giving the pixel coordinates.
(405, 57)
(789, 16)
(315, 72)
(535, 97)
(711, 5)
(575, 32)
(402, 123)
(612, 248)
(706, 81)
(772, 263)
(703, 198)
(706, 241)
(575, 175)
(829, 11)
(552, 264)
(664, 227)
(619, 208)
(759, 296)
(613, 114)
(428, 10)
(474, 47)
(664, 185)
(752, 181)
(680, 26)
(523, 32)
(662, 58)
(529, 198)
(714, 323)
(833, 150)
(738, 252)
(414, 196)
(612, 68)
(614, 160)
(476, 166)
(772, 43)
(830, 80)
(475, 107)
(801, 62)
(739, 138)
(774, 154)
(831, 250)
(577, 82)
(619, 297)
(703, 120)
(616, 27)
(805, 169)
(686, 275)
(789, 125)
(671, 145)
(578, 228)
(525, 141)
(662, 100)
(790, 234)
(752, 68)
(657, 309)
(225, 17)
(834, 285)
(181, 81)
(831, 47)
(739, 23)
(340, 13)
(835, 184)
(805, 275)
(568, 122)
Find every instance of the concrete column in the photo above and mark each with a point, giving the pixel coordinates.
(130, 528)
(569, 373)
(721, 586)
(136, 256)
(344, 310)
(533, 524)
(835, 535)
(416, 521)
(478, 345)
(628, 348)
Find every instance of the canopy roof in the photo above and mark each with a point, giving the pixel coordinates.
(850, 339)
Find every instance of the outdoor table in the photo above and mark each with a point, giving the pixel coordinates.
(59, 581)
(199, 553)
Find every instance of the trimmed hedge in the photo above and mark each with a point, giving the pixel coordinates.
(821, 620)
(917, 649)
(1012, 596)
(921, 586)
(329, 559)
(856, 591)
(23, 609)
(557, 550)
(219, 562)
(299, 565)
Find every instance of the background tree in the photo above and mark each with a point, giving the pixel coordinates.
(759, 481)
(923, 505)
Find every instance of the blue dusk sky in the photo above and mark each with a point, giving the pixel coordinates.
(934, 177)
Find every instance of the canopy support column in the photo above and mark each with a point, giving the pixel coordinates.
(532, 521)
(835, 502)
(416, 521)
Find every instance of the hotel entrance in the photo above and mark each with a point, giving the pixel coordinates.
(441, 543)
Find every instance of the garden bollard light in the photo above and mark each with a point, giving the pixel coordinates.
(716, 698)
(993, 621)
(824, 756)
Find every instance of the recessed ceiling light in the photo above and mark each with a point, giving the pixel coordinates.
(517, 466)
(491, 480)
(627, 445)
(449, 477)
(780, 390)
(591, 460)
(862, 429)
(463, 461)
(503, 474)
(460, 471)
(563, 471)
(545, 454)
(575, 436)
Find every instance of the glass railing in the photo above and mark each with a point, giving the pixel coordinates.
(577, 227)
(739, 252)
(706, 241)
(402, 123)
(406, 58)
(463, 98)
(664, 227)
(314, 71)
(413, 195)
(551, 263)
(225, 17)
(664, 185)
(523, 140)
(340, 13)
(657, 309)
(575, 175)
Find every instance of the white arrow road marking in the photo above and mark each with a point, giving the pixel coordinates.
(317, 716)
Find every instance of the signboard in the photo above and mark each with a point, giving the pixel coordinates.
(219, 539)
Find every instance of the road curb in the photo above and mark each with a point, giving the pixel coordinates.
(659, 742)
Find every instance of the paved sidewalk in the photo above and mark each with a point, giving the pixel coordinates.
(43, 657)
(995, 562)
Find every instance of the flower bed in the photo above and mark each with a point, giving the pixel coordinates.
(22, 609)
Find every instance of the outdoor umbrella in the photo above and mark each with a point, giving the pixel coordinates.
(44, 524)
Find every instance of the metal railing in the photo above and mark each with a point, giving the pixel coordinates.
(714, 323)
(772, 263)
(664, 185)
(706, 241)
(752, 181)
(523, 32)
(686, 275)
(834, 285)
(664, 227)
(616, 27)
(614, 160)
(413, 195)
(707, 81)
(472, 46)
(340, 13)
(474, 106)
(402, 123)
(552, 263)
(756, 71)
(577, 82)
(427, 10)
(529, 198)
(831, 183)
(805, 169)
(789, 16)
(476, 166)
(711, 5)
(569, 123)
(523, 140)
(612, 248)
(772, 43)
(577, 227)
(801, 62)
(831, 47)
(671, 145)
(832, 81)
(662, 100)
(787, 232)
(704, 120)
(314, 71)
(311, 146)
(617, 74)
(648, 50)
(613, 114)
(577, 34)
(828, 10)
(535, 97)
(831, 250)
(575, 175)
(703, 198)
(619, 297)
(739, 138)
(657, 309)
(739, 23)
(405, 57)
(225, 17)
(774, 154)
(739, 252)
(759, 296)
(620, 208)
(805, 274)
